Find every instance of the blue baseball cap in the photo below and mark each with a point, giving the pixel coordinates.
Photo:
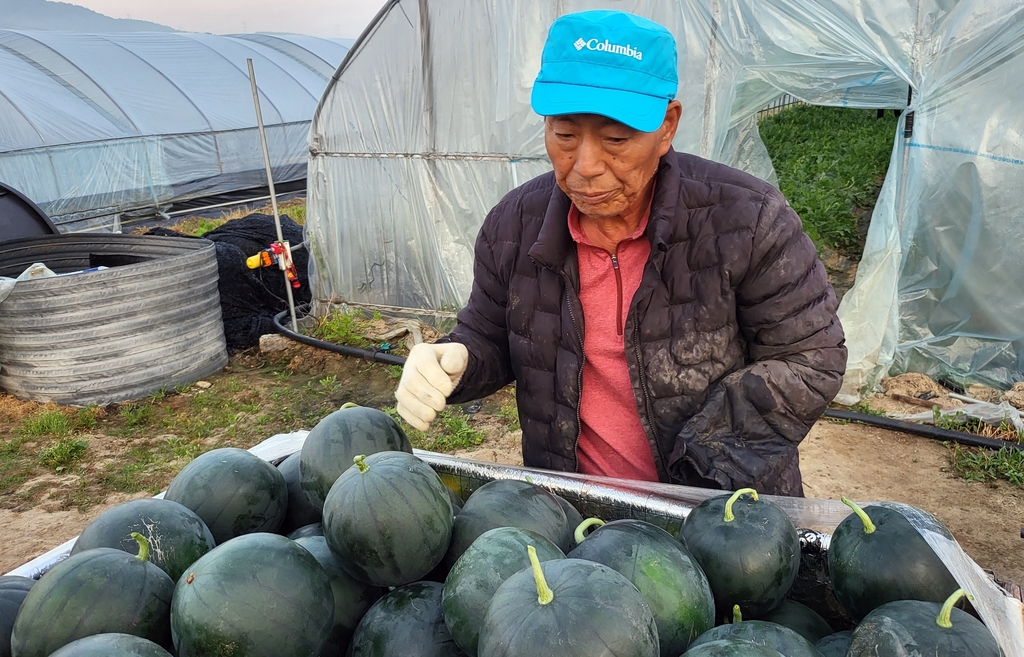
(610, 63)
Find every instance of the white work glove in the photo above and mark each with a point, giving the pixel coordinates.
(430, 374)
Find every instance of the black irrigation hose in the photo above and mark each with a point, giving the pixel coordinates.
(369, 354)
(926, 430)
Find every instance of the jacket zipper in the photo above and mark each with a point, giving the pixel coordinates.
(618, 294)
(647, 395)
(579, 378)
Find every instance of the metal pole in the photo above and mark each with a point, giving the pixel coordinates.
(273, 194)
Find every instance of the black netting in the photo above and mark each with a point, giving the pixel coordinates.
(249, 298)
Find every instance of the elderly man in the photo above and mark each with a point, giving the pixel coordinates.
(664, 317)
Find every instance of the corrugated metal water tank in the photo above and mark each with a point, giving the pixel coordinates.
(149, 319)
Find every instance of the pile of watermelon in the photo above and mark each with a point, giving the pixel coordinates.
(355, 547)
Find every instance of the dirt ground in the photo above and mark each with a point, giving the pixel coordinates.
(852, 460)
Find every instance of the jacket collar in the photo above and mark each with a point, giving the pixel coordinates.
(554, 243)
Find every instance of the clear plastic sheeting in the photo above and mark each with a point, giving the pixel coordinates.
(427, 124)
(92, 126)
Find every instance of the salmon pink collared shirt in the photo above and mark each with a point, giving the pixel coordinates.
(612, 441)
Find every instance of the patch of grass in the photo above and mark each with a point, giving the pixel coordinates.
(509, 413)
(47, 423)
(12, 446)
(136, 415)
(830, 162)
(449, 431)
(341, 328)
(63, 453)
(976, 464)
(86, 417)
(329, 385)
(124, 478)
(394, 372)
(198, 226)
(863, 408)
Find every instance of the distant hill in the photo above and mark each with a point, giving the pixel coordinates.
(46, 15)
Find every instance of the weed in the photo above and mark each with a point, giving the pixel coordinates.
(509, 414)
(342, 328)
(830, 162)
(158, 395)
(863, 408)
(233, 386)
(126, 478)
(457, 433)
(136, 415)
(47, 423)
(977, 464)
(63, 453)
(329, 384)
(394, 371)
(449, 431)
(12, 446)
(86, 417)
(183, 388)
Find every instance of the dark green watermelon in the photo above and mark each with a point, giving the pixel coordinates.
(258, 595)
(491, 559)
(748, 549)
(770, 635)
(177, 536)
(300, 512)
(731, 648)
(388, 519)
(569, 608)
(834, 645)
(234, 491)
(876, 556)
(801, 619)
(573, 518)
(509, 503)
(94, 592)
(351, 598)
(340, 437)
(405, 623)
(13, 590)
(457, 501)
(668, 577)
(316, 529)
(111, 645)
(907, 628)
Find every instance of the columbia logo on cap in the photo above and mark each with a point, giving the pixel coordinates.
(607, 46)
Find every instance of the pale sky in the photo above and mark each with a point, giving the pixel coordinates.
(324, 18)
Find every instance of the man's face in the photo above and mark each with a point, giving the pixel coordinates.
(603, 166)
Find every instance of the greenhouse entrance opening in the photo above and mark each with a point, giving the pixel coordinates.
(830, 163)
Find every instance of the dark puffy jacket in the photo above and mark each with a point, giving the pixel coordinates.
(732, 340)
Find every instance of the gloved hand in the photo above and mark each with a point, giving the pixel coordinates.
(430, 374)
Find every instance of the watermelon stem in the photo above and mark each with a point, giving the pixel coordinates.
(143, 546)
(869, 527)
(737, 615)
(947, 608)
(360, 462)
(584, 526)
(729, 517)
(544, 592)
